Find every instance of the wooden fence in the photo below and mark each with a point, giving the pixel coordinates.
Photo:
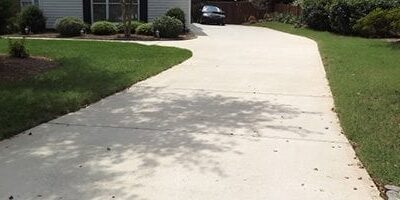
(239, 12)
(288, 9)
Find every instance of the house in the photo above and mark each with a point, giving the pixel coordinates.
(96, 10)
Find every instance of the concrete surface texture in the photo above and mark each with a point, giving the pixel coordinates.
(247, 117)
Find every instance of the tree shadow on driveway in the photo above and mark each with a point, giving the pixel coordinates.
(114, 147)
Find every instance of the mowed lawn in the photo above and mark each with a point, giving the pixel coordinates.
(88, 71)
(364, 75)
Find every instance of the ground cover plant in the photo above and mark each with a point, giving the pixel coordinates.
(364, 78)
(86, 72)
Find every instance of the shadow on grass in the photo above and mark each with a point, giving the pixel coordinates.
(76, 83)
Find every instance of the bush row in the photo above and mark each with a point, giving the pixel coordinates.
(168, 26)
(340, 16)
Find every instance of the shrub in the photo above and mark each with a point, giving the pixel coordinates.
(145, 29)
(33, 18)
(17, 49)
(103, 28)
(12, 25)
(6, 13)
(379, 23)
(342, 17)
(70, 26)
(120, 27)
(285, 18)
(168, 27)
(176, 13)
(315, 14)
(134, 25)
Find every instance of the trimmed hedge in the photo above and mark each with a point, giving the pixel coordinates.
(145, 29)
(33, 18)
(70, 26)
(103, 28)
(168, 27)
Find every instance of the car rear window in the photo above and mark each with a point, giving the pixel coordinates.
(211, 9)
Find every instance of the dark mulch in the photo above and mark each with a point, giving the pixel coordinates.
(134, 37)
(12, 69)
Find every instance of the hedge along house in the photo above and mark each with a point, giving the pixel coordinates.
(111, 10)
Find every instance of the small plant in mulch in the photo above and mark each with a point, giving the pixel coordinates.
(17, 48)
(19, 65)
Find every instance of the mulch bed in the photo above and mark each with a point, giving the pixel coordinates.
(134, 37)
(12, 69)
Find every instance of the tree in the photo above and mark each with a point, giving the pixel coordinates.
(127, 13)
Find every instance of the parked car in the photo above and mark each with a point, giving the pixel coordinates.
(212, 15)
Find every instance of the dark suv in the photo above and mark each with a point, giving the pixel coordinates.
(212, 15)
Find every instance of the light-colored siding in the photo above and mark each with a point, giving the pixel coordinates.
(158, 8)
(54, 9)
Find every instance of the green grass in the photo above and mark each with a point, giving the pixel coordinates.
(364, 75)
(88, 72)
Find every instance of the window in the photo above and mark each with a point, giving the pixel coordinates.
(25, 3)
(110, 10)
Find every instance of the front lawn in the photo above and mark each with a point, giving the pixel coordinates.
(87, 72)
(364, 75)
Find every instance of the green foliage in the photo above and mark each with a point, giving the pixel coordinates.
(12, 25)
(17, 49)
(177, 13)
(315, 14)
(286, 18)
(145, 29)
(380, 23)
(168, 27)
(344, 14)
(134, 25)
(103, 28)
(340, 16)
(88, 71)
(7, 11)
(70, 26)
(33, 18)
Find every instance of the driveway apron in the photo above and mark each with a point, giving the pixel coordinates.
(248, 117)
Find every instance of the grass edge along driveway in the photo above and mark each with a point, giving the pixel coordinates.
(364, 76)
(88, 71)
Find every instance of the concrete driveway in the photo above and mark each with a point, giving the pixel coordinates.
(247, 118)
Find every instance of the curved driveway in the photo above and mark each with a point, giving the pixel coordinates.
(248, 117)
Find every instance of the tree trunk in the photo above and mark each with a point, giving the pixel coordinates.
(127, 8)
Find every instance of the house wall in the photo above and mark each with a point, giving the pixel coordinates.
(54, 9)
(158, 8)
